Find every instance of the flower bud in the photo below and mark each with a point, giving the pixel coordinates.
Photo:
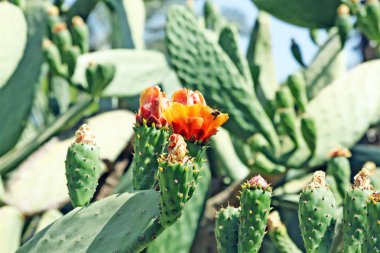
(152, 104)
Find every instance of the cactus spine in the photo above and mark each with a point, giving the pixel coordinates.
(83, 167)
(226, 229)
(317, 215)
(355, 212)
(279, 235)
(255, 202)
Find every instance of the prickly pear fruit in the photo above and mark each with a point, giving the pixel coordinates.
(98, 77)
(151, 136)
(83, 167)
(61, 36)
(284, 98)
(373, 224)
(309, 133)
(288, 122)
(339, 168)
(53, 18)
(255, 201)
(70, 56)
(343, 22)
(174, 179)
(53, 57)
(80, 34)
(317, 214)
(279, 235)
(226, 229)
(297, 85)
(355, 212)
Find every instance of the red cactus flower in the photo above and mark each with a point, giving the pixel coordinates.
(152, 104)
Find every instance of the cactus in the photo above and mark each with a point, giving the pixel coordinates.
(296, 52)
(129, 219)
(80, 34)
(279, 235)
(83, 167)
(150, 137)
(181, 32)
(175, 177)
(317, 214)
(99, 76)
(373, 224)
(255, 201)
(307, 13)
(343, 23)
(339, 168)
(355, 213)
(297, 86)
(226, 229)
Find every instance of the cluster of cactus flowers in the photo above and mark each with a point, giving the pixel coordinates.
(170, 140)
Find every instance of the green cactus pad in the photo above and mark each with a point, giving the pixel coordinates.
(339, 168)
(317, 215)
(83, 168)
(355, 213)
(149, 145)
(223, 86)
(255, 202)
(307, 13)
(226, 229)
(372, 242)
(174, 180)
(119, 223)
(297, 86)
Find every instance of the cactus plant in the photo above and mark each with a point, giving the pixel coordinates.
(83, 167)
(317, 214)
(255, 201)
(227, 229)
(373, 224)
(355, 213)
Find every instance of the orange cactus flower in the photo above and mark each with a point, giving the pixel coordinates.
(188, 97)
(152, 104)
(195, 122)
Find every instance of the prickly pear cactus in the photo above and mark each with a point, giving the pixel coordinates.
(226, 229)
(317, 215)
(373, 224)
(255, 202)
(175, 177)
(279, 235)
(339, 168)
(151, 136)
(307, 13)
(83, 167)
(355, 213)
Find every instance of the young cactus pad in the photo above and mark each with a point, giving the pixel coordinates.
(255, 206)
(355, 212)
(83, 167)
(226, 229)
(317, 215)
(175, 177)
(339, 168)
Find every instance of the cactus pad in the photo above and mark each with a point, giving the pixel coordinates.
(226, 229)
(317, 215)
